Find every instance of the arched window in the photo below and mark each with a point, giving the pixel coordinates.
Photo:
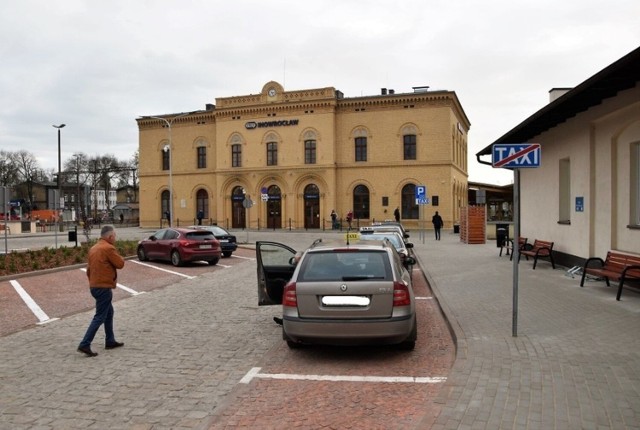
(410, 152)
(361, 149)
(361, 202)
(164, 203)
(309, 147)
(410, 209)
(202, 202)
(236, 155)
(272, 154)
(166, 158)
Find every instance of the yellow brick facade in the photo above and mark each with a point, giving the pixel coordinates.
(300, 147)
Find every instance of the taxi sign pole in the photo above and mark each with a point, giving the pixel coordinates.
(515, 252)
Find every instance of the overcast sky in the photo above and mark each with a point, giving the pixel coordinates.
(98, 65)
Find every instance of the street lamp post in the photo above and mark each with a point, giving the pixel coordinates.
(59, 181)
(169, 148)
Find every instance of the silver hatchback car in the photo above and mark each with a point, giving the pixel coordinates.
(339, 294)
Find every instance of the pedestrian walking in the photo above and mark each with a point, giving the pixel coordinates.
(396, 214)
(334, 220)
(437, 224)
(104, 262)
(349, 218)
(200, 216)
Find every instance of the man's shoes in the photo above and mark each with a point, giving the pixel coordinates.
(113, 345)
(87, 351)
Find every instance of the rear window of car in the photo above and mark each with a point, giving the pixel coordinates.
(200, 235)
(345, 266)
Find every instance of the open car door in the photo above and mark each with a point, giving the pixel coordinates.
(275, 268)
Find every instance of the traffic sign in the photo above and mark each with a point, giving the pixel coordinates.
(264, 197)
(516, 155)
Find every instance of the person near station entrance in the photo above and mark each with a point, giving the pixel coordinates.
(200, 216)
(334, 219)
(102, 272)
(437, 224)
(349, 218)
(396, 214)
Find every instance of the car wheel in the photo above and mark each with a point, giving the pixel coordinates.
(410, 343)
(226, 254)
(294, 345)
(175, 258)
(213, 262)
(142, 256)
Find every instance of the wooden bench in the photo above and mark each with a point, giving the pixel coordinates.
(540, 248)
(616, 266)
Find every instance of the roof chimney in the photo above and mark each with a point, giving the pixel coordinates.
(556, 93)
(383, 91)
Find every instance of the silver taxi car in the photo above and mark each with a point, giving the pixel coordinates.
(339, 294)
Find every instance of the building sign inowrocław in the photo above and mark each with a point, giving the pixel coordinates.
(286, 122)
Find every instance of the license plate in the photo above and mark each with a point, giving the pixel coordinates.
(205, 246)
(223, 240)
(345, 301)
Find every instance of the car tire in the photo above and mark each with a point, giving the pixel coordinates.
(409, 344)
(213, 262)
(142, 256)
(227, 254)
(176, 260)
(294, 345)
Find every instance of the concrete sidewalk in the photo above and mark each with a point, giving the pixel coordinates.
(575, 363)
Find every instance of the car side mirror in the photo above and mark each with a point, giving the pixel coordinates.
(409, 261)
(293, 261)
(153, 238)
(408, 245)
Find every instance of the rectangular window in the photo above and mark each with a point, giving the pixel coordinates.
(309, 152)
(635, 185)
(165, 160)
(564, 189)
(410, 147)
(361, 149)
(236, 155)
(435, 200)
(202, 157)
(272, 154)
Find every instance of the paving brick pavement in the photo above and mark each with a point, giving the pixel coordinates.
(575, 363)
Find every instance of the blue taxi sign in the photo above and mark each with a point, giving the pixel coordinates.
(516, 155)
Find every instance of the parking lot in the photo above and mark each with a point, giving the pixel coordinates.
(200, 353)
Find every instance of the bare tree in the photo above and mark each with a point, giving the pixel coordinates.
(27, 170)
(8, 170)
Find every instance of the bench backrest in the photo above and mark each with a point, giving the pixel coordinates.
(618, 261)
(544, 246)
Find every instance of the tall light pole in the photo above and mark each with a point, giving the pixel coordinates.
(169, 148)
(59, 180)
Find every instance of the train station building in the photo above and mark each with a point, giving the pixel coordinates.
(286, 159)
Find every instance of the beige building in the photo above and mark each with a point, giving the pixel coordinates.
(585, 196)
(297, 155)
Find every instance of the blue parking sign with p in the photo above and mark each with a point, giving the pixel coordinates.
(421, 195)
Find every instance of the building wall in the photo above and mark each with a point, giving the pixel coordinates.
(598, 144)
(438, 120)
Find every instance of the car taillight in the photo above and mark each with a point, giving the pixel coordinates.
(289, 297)
(401, 296)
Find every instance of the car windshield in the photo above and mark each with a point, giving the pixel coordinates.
(345, 266)
(393, 238)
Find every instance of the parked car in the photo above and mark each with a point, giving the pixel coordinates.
(385, 228)
(396, 240)
(179, 246)
(337, 293)
(226, 239)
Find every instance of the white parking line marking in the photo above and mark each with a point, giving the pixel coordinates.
(164, 270)
(424, 298)
(122, 287)
(43, 318)
(255, 373)
(240, 256)
(223, 265)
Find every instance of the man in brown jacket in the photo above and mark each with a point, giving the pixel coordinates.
(104, 261)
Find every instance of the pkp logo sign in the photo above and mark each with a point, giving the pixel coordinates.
(516, 155)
